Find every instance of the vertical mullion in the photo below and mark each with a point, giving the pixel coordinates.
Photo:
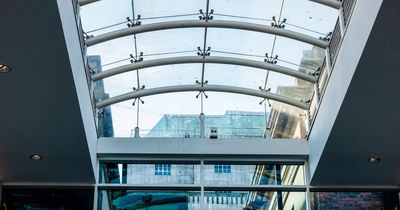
(202, 200)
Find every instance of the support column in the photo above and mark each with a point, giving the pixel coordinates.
(202, 199)
(136, 134)
(202, 125)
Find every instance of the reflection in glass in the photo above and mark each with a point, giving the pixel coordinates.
(233, 174)
(192, 200)
(148, 200)
(150, 173)
(216, 174)
(254, 200)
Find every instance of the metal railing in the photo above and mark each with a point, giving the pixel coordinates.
(347, 6)
(334, 44)
(333, 51)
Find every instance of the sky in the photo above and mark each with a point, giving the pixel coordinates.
(302, 16)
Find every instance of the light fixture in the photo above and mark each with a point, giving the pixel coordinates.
(35, 157)
(4, 68)
(374, 159)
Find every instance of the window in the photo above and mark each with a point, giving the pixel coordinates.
(162, 169)
(223, 168)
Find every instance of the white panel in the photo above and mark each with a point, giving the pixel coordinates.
(282, 148)
(78, 71)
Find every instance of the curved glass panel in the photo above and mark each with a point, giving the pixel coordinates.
(239, 43)
(170, 43)
(159, 10)
(113, 16)
(309, 17)
(113, 50)
(233, 75)
(170, 75)
(297, 53)
(120, 84)
(255, 11)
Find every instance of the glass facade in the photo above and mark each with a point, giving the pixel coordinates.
(214, 200)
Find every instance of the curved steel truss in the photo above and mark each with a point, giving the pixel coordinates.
(211, 24)
(208, 59)
(213, 88)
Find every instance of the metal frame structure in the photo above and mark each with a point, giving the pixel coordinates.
(210, 24)
(214, 88)
(208, 59)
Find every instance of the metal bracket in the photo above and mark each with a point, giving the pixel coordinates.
(316, 72)
(86, 36)
(271, 59)
(91, 71)
(101, 114)
(327, 37)
(201, 92)
(278, 24)
(265, 99)
(133, 22)
(135, 59)
(204, 16)
(201, 52)
(138, 99)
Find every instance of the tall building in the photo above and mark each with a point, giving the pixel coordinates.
(104, 116)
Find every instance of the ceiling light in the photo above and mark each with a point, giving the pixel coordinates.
(4, 68)
(35, 157)
(374, 159)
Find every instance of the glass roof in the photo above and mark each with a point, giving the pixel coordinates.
(301, 16)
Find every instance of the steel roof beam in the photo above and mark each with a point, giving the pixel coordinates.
(213, 88)
(84, 2)
(208, 59)
(211, 24)
(330, 3)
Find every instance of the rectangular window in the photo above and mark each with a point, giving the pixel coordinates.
(223, 168)
(162, 169)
